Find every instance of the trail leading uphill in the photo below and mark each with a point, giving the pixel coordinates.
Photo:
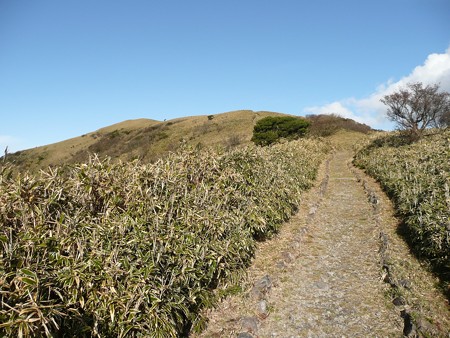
(323, 275)
(334, 287)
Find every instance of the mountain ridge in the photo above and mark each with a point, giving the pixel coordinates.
(149, 140)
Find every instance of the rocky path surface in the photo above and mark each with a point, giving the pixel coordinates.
(323, 275)
(334, 289)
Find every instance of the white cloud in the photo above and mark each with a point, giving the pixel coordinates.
(369, 110)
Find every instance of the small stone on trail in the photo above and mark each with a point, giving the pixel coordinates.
(295, 245)
(281, 265)
(303, 230)
(263, 312)
(426, 328)
(388, 279)
(249, 324)
(312, 211)
(373, 198)
(399, 301)
(261, 287)
(244, 335)
(408, 326)
(321, 285)
(287, 256)
(405, 283)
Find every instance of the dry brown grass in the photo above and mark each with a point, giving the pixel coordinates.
(150, 140)
(146, 139)
(345, 139)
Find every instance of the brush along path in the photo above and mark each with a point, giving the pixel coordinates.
(323, 271)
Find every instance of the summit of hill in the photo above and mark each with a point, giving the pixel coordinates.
(149, 140)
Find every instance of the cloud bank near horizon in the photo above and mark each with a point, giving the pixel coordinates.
(369, 110)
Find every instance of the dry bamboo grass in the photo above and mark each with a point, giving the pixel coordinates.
(417, 177)
(127, 249)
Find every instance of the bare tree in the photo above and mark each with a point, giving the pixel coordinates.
(444, 120)
(416, 107)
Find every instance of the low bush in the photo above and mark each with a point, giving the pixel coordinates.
(126, 249)
(417, 177)
(324, 125)
(273, 128)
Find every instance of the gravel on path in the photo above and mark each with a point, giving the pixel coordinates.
(322, 275)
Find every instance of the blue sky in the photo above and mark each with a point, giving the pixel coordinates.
(71, 67)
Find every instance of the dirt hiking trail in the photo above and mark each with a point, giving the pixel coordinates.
(337, 269)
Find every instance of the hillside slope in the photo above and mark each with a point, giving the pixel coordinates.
(145, 139)
(150, 140)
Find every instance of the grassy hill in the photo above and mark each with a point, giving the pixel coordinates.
(145, 139)
(150, 140)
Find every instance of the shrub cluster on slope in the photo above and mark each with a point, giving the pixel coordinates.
(417, 177)
(328, 124)
(273, 128)
(126, 249)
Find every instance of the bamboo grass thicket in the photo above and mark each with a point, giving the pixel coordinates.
(417, 177)
(130, 249)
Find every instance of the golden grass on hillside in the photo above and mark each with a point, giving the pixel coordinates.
(145, 139)
(150, 140)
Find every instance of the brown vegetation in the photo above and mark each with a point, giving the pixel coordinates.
(328, 124)
(145, 139)
(150, 140)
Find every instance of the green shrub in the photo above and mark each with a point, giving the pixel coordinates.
(126, 249)
(273, 128)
